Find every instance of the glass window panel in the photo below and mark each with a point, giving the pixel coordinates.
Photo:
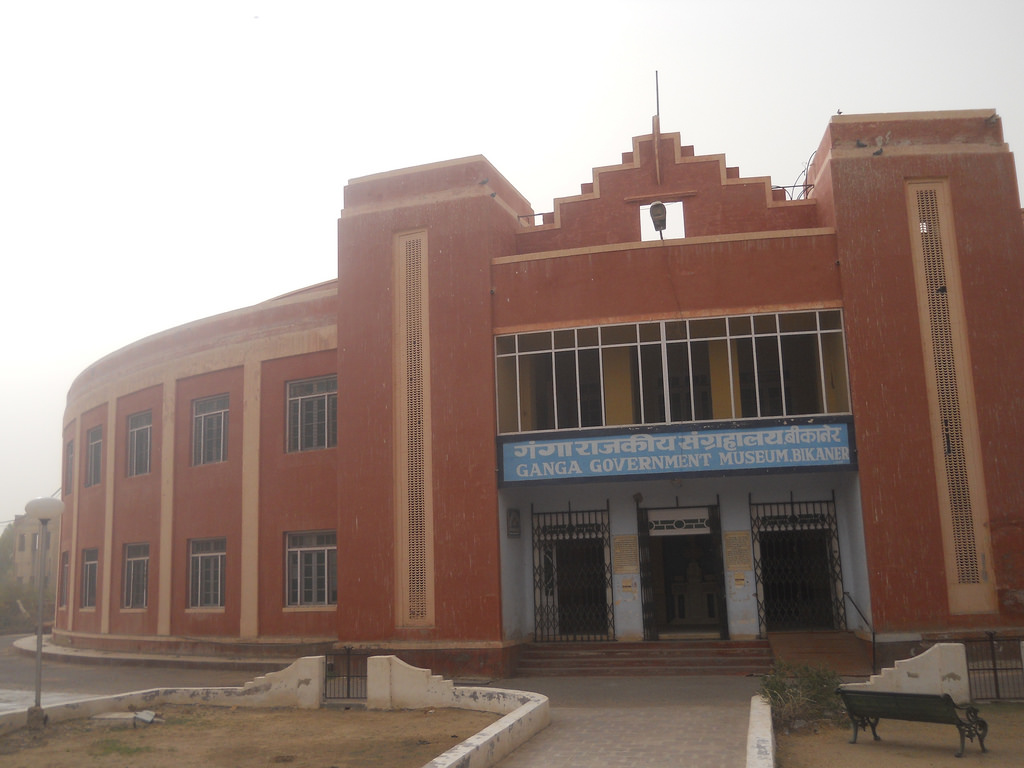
(675, 329)
(837, 385)
(508, 403)
(744, 381)
(650, 331)
(830, 320)
(764, 324)
(565, 339)
(618, 334)
(709, 328)
(586, 337)
(591, 411)
(769, 378)
(621, 385)
(534, 342)
(565, 390)
(536, 392)
(801, 373)
(739, 326)
(701, 370)
(678, 358)
(793, 322)
(505, 345)
(653, 384)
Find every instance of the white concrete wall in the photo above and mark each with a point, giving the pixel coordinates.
(300, 685)
(941, 669)
(393, 684)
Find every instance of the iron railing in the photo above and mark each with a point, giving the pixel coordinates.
(345, 674)
(994, 666)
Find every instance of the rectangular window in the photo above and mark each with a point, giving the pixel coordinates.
(702, 369)
(206, 573)
(313, 414)
(140, 430)
(65, 573)
(93, 456)
(210, 430)
(136, 575)
(90, 566)
(312, 564)
(21, 542)
(69, 466)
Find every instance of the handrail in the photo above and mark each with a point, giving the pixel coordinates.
(874, 663)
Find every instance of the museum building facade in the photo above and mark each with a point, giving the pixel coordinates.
(796, 412)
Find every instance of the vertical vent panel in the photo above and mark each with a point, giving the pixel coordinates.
(947, 388)
(414, 517)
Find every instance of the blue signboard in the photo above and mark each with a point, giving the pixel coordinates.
(674, 452)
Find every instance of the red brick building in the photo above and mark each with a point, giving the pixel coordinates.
(498, 427)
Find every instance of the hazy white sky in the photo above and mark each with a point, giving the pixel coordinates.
(166, 161)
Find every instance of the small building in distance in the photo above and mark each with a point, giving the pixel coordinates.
(794, 413)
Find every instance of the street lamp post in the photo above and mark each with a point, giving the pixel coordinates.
(44, 510)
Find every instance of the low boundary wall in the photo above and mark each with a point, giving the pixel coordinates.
(392, 684)
(299, 685)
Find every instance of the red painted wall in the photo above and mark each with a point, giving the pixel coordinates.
(207, 504)
(91, 512)
(463, 233)
(136, 514)
(898, 483)
(298, 492)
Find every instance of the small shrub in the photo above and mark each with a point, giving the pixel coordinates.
(800, 692)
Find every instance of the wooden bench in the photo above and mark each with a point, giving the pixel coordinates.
(866, 708)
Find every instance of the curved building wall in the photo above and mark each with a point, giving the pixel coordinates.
(149, 525)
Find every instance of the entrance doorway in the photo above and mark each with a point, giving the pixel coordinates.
(797, 567)
(572, 588)
(681, 573)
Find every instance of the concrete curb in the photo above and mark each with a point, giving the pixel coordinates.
(760, 735)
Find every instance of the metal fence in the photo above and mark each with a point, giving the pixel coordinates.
(994, 666)
(345, 674)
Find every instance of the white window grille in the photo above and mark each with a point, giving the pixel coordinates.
(210, 430)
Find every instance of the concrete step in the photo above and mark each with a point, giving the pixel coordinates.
(650, 658)
(842, 652)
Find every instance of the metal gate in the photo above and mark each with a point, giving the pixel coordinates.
(797, 568)
(345, 674)
(995, 666)
(572, 576)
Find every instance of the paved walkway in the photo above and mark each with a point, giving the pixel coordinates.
(634, 722)
(596, 722)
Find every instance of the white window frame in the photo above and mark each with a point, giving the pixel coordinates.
(135, 592)
(210, 429)
(94, 456)
(311, 568)
(140, 443)
(206, 572)
(312, 414)
(90, 569)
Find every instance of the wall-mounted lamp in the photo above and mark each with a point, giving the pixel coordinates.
(659, 217)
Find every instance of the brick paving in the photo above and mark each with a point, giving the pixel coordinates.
(653, 722)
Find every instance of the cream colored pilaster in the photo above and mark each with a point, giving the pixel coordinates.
(73, 544)
(163, 601)
(108, 519)
(248, 624)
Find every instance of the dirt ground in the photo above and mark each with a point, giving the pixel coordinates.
(908, 745)
(223, 737)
